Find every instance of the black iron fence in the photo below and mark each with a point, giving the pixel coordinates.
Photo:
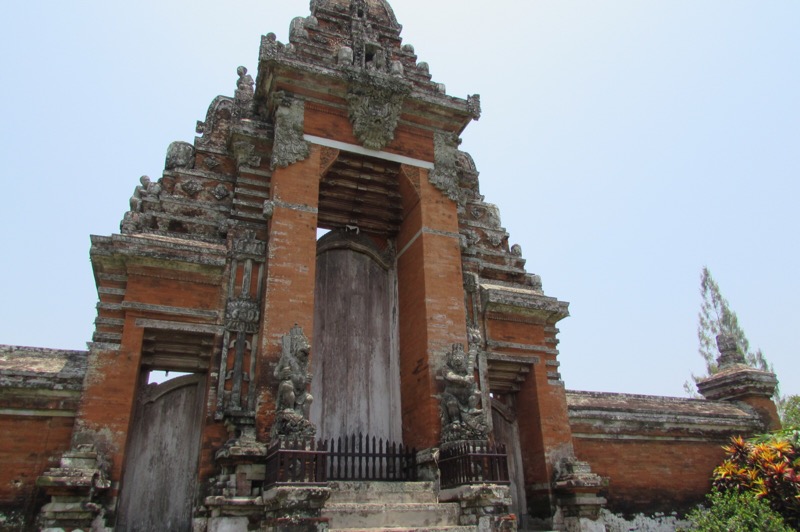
(365, 458)
(362, 457)
(350, 458)
(296, 462)
(473, 463)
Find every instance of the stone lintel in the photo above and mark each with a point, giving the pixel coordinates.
(285, 70)
(522, 302)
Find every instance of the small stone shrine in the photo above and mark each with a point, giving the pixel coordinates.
(400, 371)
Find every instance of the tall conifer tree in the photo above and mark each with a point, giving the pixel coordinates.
(716, 317)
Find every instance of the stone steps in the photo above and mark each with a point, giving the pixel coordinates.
(401, 529)
(382, 492)
(390, 506)
(391, 515)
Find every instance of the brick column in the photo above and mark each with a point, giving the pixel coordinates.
(431, 301)
(291, 263)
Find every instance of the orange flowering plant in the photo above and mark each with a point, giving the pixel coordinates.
(768, 467)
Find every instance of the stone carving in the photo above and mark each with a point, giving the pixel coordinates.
(211, 162)
(516, 250)
(247, 246)
(375, 103)
(220, 192)
(345, 56)
(268, 210)
(297, 29)
(474, 105)
(243, 152)
(270, 47)
(179, 155)
(241, 315)
(214, 129)
(729, 354)
(293, 400)
(289, 146)
(462, 419)
(145, 189)
(192, 187)
(444, 175)
(397, 68)
(243, 97)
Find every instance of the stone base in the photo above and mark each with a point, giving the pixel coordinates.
(296, 508)
(483, 505)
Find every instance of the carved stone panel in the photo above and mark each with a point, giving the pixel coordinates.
(241, 315)
(375, 104)
(289, 146)
(444, 175)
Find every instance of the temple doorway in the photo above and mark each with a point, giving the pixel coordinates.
(161, 460)
(355, 356)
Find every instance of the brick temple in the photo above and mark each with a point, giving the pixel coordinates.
(360, 346)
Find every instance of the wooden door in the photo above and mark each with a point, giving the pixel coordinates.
(158, 485)
(506, 431)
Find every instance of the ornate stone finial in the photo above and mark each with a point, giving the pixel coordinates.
(245, 82)
(243, 97)
(293, 401)
(289, 146)
(729, 354)
(474, 105)
(462, 419)
(179, 155)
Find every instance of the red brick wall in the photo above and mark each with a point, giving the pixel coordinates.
(652, 476)
(28, 447)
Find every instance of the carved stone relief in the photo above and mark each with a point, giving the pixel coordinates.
(243, 152)
(444, 175)
(293, 399)
(289, 146)
(375, 103)
(462, 418)
(241, 315)
(191, 187)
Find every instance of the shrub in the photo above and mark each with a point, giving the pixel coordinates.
(734, 511)
(768, 468)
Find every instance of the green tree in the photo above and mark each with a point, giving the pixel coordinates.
(716, 317)
(790, 412)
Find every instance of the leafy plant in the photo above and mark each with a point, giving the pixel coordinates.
(766, 468)
(734, 511)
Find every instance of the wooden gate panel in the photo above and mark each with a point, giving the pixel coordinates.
(158, 486)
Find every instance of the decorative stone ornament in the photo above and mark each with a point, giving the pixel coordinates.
(444, 175)
(462, 419)
(241, 315)
(289, 146)
(374, 104)
(729, 354)
(293, 401)
(179, 155)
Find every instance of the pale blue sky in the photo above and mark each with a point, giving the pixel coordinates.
(627, 143)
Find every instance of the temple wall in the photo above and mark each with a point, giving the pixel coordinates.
(39, 393)
(657, 453)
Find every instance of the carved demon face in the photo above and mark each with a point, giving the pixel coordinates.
(374, 113)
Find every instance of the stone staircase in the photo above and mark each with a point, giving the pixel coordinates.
(390, 506)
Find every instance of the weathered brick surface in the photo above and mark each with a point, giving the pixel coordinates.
(658, 452)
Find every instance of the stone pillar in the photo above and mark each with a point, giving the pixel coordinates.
(736, 381)
(76, 491)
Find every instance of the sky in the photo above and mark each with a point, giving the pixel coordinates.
(628, 143)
